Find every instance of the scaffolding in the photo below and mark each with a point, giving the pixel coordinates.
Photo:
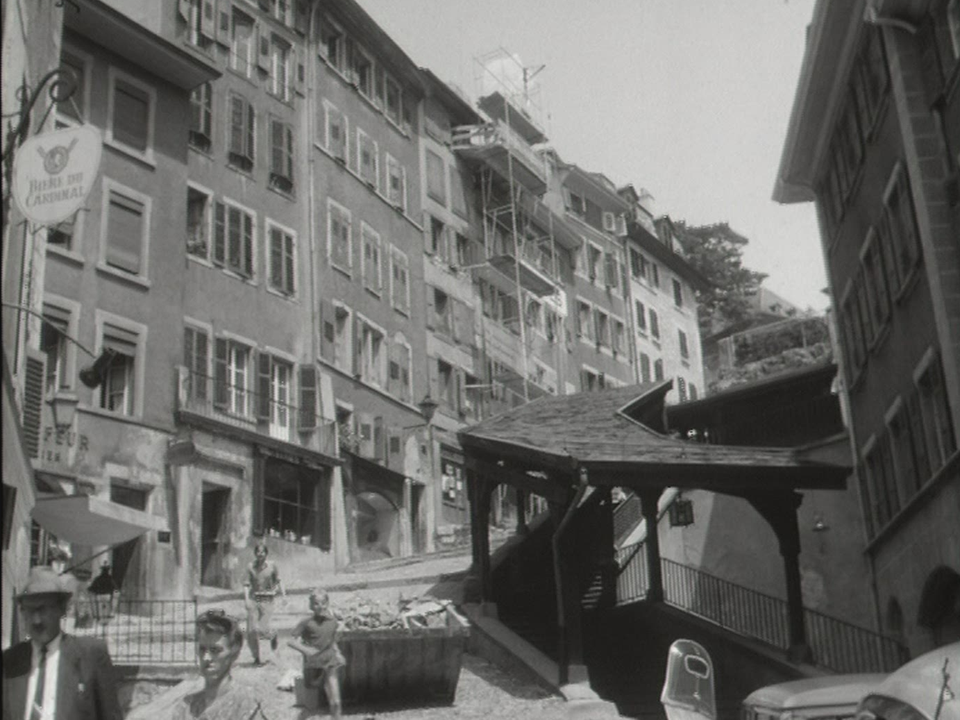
(520, 233)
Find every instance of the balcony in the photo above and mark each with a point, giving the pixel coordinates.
(494, 143)
(221, 406)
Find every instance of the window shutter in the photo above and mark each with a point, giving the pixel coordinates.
(183, 8)
(301, 17)
(276, 147)
(220, 394)
(308, 397)
(328, 331)
(434, 378)
(131, 111)
(247, 244)
(249, 130)
(237, 142)
(263, 57)
(125, 234)
(431, 319)
(379, 439)
(276, 258)
(610, 270)
(220, 234)
(288, 152)
(357, 346)
(200, 365)
(223, 28)
(33, 390)
(208, 19)
(263, 386)
(460, 392)
(290, 285)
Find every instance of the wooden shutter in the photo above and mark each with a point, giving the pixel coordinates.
(236, 143)
(33, 390)
(301, 16)
(220, 234)
(247, 244)
(433, 371)
(263, 45)
(250, 126)
(220, 354)
(610, 270)
(300, 68)
(224, 36)
(275, 242)
(289, 283)
(328, 330)
(208, 19)
(431, 319)
(264, 386)
(308, 397)
(276, 147)
(288, 152)
(357, 346)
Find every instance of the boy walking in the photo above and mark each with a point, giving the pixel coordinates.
(315, 638)
(259, 590)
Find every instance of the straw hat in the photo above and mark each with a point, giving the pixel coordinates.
(44, 580)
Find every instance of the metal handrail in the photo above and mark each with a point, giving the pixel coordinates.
(836, 644)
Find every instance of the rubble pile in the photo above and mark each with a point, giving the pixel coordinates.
(364, 613)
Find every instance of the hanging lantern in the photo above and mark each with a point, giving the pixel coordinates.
(681, 512)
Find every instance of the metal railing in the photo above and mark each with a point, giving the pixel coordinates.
(835, 644)
(241, 407)
(141, 632)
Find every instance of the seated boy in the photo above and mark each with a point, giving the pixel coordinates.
(316, 638)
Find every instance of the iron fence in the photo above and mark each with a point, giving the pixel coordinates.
(835, 644)
(141, 632)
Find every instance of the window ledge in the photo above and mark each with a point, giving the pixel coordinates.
(289, 297)
(240, 171)
(70, 256)
(145, 158)
(241, 75)
(200, 151)
(200, 260)
(112, 415)
(135, 280)
(402, 311)
(375, 388)
(249, 280)
(290, 196)
(345, 271)
(913, 504)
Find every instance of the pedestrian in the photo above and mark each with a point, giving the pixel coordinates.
(55, 676)
(103, 589)
(259, 592)
(316, 638)
(219, 642)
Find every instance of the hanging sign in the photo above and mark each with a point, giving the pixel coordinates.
(53, 173)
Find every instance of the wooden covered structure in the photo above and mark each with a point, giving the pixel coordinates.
(563, 447)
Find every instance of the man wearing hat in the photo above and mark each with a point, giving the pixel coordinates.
(54, 676)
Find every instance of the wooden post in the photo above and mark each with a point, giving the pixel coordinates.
(521, 497)
(648, 505)
(781, 512)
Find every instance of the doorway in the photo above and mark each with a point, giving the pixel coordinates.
(214, 504)
(127, 560)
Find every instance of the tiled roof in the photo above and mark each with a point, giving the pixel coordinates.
(595, 429)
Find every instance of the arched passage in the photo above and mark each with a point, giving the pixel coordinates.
(377, 526)
(939, 610)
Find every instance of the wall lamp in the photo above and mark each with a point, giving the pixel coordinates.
(93, 375)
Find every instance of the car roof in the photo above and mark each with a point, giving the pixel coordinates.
(921, 680)
(822, 691)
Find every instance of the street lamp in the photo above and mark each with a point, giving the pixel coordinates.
(428, 406)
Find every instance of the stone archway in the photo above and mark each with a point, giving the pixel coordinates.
(939, 610)
(377, 526)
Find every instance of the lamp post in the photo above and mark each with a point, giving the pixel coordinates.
(428, 407)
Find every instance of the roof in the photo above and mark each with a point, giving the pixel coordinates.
(459, 108)
(602, 432)
(679, 264)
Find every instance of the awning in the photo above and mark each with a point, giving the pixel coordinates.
(88, 520)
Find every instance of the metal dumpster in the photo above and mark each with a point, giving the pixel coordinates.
(404, 665)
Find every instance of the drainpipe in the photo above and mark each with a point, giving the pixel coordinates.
(557, 579)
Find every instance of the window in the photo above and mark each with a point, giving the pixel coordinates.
(641, 313)
(130, 109)
(655, 275)
(370, 261)
(9, 505)
(56, 347)
(198, 222)
(552, 326)
(64, 236)
(874, 280)
(611, 272)
(881, 483)
(201, 117)
(243, 49)
(658, 370)
(333, 44)
(645, 367)
(241, 148)
(281, 156)
(935, 409)
(654, 324)
(336, 139)
(282, 243)
(436, 178)
(603, 329)
(192, 13)
(280, 66)
(74, 107)
(398, 380)
(445, 385)
(585, 327)
(233, 239)
(440, 311)
(693, 391)
(437, 240)
(196, 359)
(372, 356)
(361, 66)
(684, 349)
(367, 158)
(394, 100)
(464, 254)
(399, 281)
(591, 380)
(118, 391)
(907, 461)
(898, 231)
(296, 503)
(677, 293)
(619, 334)
(274, 395)
(232, 377)
(126, 226)
(280, 9)
(338, 233)
(594, 258)
(458, 197)
(342, 338)
(636, 266)
(396, 184)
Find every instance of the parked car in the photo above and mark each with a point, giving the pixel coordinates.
(831, 697)
(926, 688)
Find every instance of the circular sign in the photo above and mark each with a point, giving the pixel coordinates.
(53, 173)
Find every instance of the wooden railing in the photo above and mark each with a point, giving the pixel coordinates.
(836, 644)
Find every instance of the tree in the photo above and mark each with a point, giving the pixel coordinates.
(716, 251)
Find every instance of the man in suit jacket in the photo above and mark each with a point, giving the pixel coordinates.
(54, 676)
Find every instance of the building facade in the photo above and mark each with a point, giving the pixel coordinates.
(874, 140)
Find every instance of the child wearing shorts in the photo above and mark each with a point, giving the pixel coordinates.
(316, 638)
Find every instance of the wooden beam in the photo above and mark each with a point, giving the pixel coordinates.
(556, 490)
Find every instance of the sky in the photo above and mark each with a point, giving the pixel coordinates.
(689, 99)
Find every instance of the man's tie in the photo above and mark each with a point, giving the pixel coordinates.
(41, 681)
